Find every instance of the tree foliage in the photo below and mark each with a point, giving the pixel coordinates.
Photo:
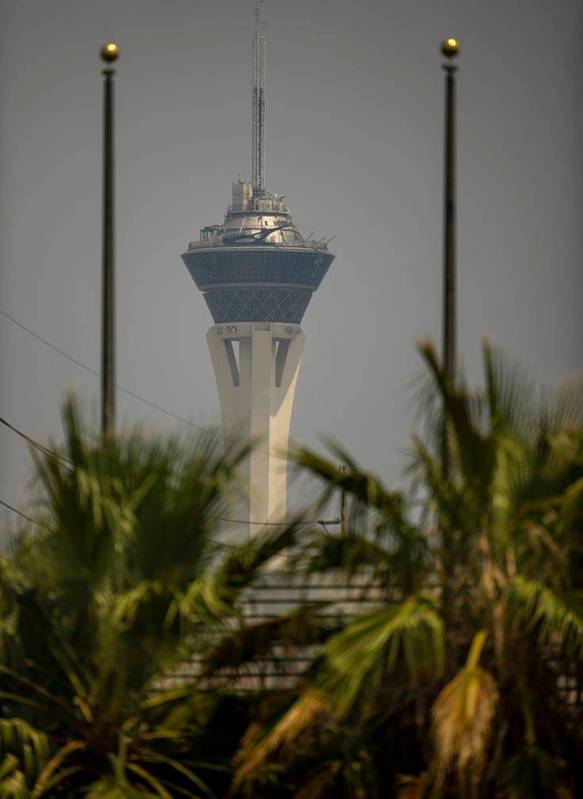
(121, 582)
(459, 681)
(481, 622)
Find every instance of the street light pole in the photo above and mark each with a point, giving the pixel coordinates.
(109, 54)
(450, 49)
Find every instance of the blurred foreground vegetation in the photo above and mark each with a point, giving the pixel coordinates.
(465, 679)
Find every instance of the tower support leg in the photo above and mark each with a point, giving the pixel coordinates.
(256, 367)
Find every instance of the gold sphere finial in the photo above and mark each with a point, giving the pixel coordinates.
(109, 52)
(450, 47)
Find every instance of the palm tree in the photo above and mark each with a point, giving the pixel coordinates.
(458, 674)
(120, 582)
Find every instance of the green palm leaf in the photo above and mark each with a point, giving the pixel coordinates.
(538, 607)
(23, 753)
(408, 635)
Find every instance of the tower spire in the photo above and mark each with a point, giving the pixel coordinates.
(258, 101)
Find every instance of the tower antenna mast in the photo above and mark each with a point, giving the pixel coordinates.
(258, 101)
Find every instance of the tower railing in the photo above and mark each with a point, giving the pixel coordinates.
(307, 244)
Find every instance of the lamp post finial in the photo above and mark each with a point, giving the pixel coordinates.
(109, 52)
(450, 47)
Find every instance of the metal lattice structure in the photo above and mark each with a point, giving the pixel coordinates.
(259, 70)
(257, 283)
(258, 305)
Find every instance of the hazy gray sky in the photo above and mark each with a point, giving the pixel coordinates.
(354, 140)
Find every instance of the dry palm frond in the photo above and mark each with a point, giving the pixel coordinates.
(462, 715)
(258, 746)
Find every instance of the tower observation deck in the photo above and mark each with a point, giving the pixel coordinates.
(257, 274)
(256, 267)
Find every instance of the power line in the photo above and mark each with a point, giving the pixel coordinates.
(322, 522)
(124, 390)
(35, 443)
(19, 512)
(50, 454)
(94, 372)
(48, 343)
(282, 524)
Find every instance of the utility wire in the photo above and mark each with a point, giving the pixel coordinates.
(282, 524)
(97, 374)
(35, 444)
(124, 390)
(48, 343)
(19, 512)
(322, 522)
(68, 464)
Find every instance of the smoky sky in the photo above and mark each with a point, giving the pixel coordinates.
(354, 140)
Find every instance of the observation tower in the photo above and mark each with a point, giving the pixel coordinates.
(257, 274)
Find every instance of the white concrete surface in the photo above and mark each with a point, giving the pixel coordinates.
(256, 367)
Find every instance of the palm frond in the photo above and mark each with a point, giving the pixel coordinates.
(444, 498)
(193, 779)
(49, 775)
(258, 744)
(572, 506)
(12, 782)
(365, 488)
(563, 409)
(299, 627)
(389, 557)
(217, 592)
(325, 552)
(541, 609)
(510, 393)
(475, 448)
(408, 635)
(23, 750)
(462, 716)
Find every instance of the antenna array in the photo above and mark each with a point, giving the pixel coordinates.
(258, 101)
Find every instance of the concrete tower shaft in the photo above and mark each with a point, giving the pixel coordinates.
(256, 392)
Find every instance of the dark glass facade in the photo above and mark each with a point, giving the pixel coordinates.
(258, 283)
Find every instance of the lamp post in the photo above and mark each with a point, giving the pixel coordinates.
(450, 49)
(109, 54)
